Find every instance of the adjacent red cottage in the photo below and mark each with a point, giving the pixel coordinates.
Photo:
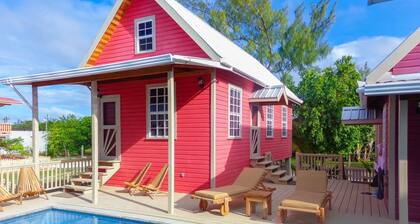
(169, 89)
(390, 99)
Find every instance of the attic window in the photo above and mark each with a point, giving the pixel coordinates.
(145, 30)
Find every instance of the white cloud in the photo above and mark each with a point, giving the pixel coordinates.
(47, 35)
(367, 49)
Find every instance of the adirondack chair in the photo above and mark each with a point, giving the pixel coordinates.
(29, 184)
(6, 196)
(132, 185)
(153, 188)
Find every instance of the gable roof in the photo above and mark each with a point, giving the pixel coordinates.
(217, 46)
(382, 72)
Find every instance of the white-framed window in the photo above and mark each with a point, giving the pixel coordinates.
(284, 126)
(157, 111)
(270, 121)
(235, 112)
(145, 34)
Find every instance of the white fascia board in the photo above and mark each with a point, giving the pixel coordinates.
(102, 31)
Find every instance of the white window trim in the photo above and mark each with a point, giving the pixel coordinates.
(230, 86)
(272, 122)
(137, 38)
(148, 87)
(283, 122)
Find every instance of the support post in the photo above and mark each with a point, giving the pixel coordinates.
(35, 129)
(95, 140)
(391, 126)
(171, 141)
(403, 162)
(213, 131)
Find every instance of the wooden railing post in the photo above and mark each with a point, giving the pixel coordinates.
(341, 167)
(297, 161)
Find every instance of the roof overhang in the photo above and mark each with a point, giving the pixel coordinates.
(8, 101)
(273, 95)
(359, 116)
(391, 88)
(144, 63)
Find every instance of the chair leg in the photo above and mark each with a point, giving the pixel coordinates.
(247, 207)
(283, 215)
(321, 215)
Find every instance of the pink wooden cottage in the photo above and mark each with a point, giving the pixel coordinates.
(390, 99)
(168, 88)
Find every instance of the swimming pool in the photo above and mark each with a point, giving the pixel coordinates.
(58, 216)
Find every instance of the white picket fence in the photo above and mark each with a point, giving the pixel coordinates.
(27, 161)
(52, 175)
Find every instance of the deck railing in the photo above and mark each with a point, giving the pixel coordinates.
(333, 164)
(52, 175)
(335, 167)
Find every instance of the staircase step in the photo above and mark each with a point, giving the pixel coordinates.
(81, 180)
(265, 162)
(286, 178)
(105, 167)
(78, 188)
(279, 173)
(272, 167)
(90, 174)
(258, 158)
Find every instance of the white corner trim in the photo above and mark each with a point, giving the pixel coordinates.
(403, 162)
(399, 53)
(102, 31)
(213, 150)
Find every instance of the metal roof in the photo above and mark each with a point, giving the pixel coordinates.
(359, 115)
(274, 94)
(8, 101)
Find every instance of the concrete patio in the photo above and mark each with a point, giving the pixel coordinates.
(350, 205)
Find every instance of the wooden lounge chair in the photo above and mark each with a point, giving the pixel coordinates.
(311, 195)
(6, 196)
(153, 188)
(249, 179)
(138, 180)
(29, 184)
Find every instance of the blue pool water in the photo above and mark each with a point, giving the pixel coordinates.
(56, 216)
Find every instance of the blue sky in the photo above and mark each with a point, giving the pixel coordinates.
(47, 35)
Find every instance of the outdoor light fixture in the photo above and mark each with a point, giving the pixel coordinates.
(200, 82)
(418, 107)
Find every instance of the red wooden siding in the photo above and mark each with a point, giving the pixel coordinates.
(232, 154)
(413, 164)
(281, 148)
(192, 147)
(170, 38)
(409, 64)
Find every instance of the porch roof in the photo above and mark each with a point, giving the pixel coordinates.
(149, 62)
(359, 116)
(273, 95)
(8, 101)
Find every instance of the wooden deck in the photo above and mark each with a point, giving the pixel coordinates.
(349, 203)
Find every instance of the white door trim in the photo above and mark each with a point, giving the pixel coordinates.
(116, 99)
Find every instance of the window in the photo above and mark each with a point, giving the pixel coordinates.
(235, 111)
(270, 121)
(145, 35)
(157, 112)
(284, 119)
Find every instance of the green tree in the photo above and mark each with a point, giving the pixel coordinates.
(26, 126)
(67, 135)
(325, 92)
(15, 144)
(281, 45)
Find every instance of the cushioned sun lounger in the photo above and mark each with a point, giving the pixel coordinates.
(248, 179)
(311, 195)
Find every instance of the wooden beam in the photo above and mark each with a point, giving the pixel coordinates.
(171, 142)
(403, 161)
(391, 155)
(95, 140)
(213, 158)
(108, 76)
(35, 129)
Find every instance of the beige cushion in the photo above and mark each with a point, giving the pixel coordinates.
(304, 200)
(222, 192)
(250, 177)
(311, 181)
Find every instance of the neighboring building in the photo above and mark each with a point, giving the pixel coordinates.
(27, 139)
(390, 98)
(227, 107)
(6, 128)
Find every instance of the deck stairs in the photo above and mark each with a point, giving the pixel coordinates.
(82, 182)
(275, 172)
